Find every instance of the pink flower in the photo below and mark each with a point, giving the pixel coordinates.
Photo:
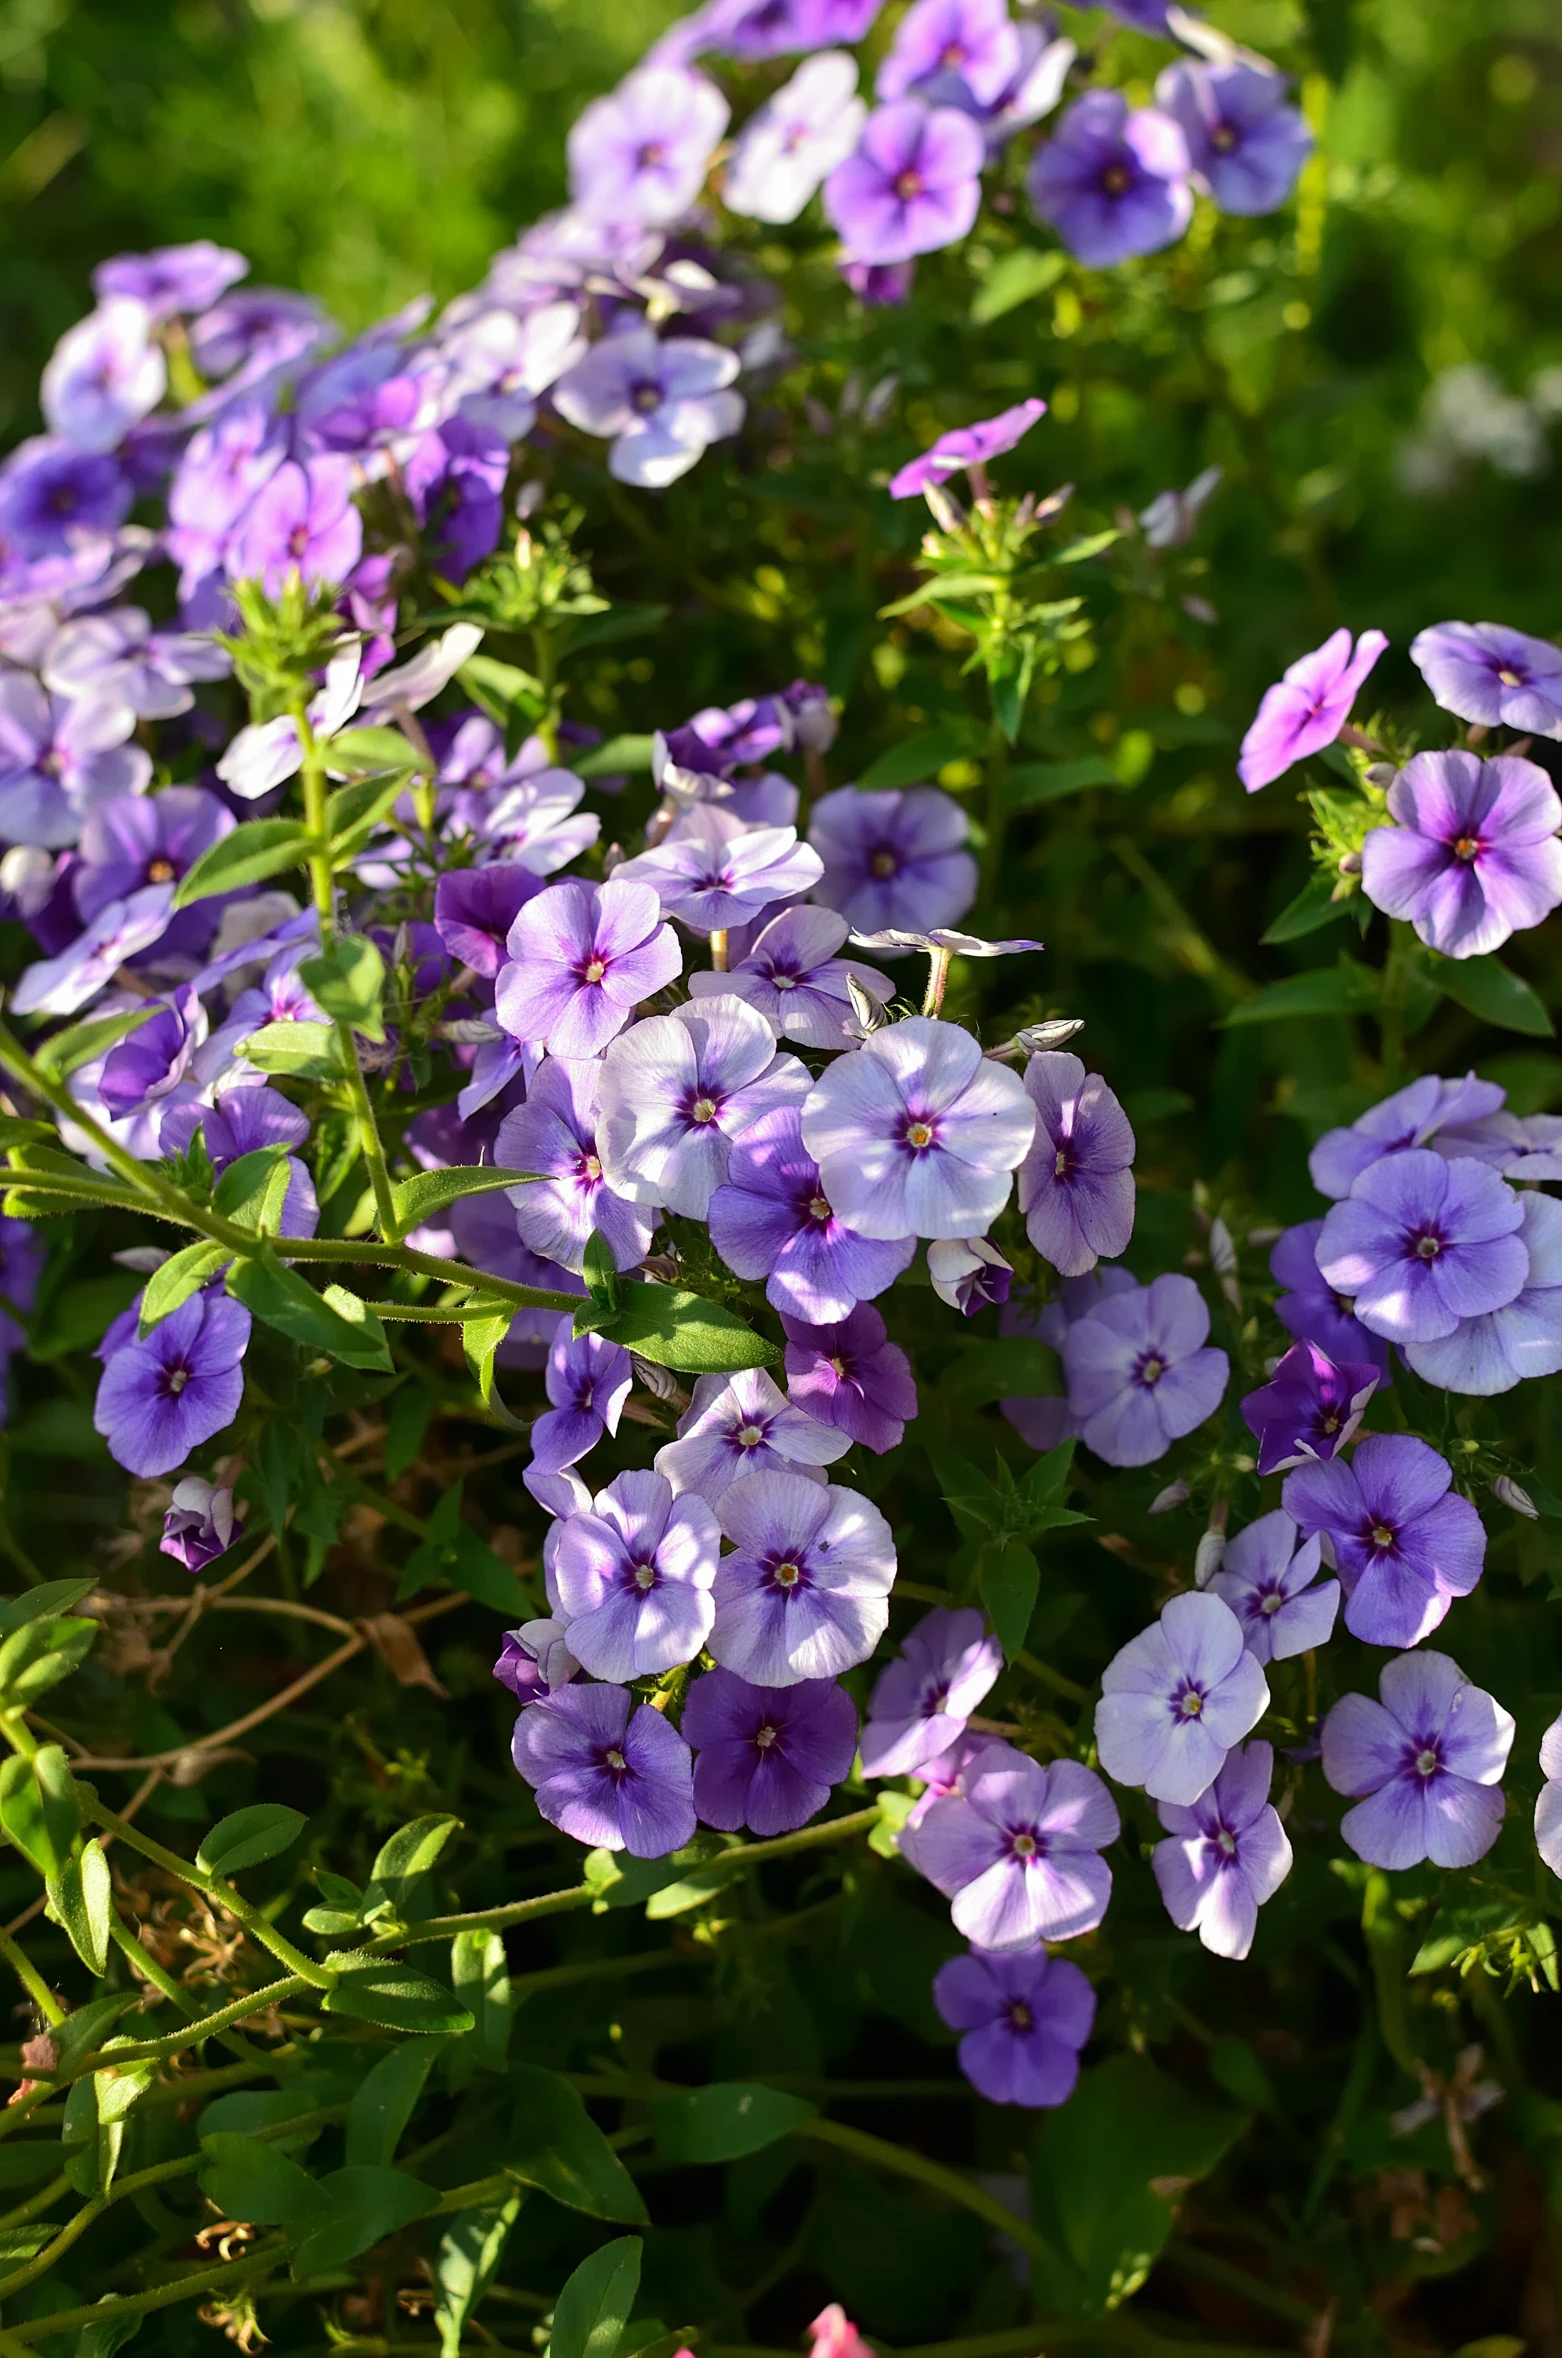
(834, 2336)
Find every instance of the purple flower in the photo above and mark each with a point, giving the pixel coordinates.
(721, 737)
(1422, 1243)
(1170, 520)
(1487, 1355)
(972, 38)
(103, 376)
(534, 1659)
(581, 957)
(1177, 1698)
(51, 493)
(1272, 1586)
(161, 1397)
(139, 839)
(676, 1091)
(171, 279)
(239, 1122)
(1076, 1184)
(1485, 672)
(717, 873)
(921, 1703)
(744, 1424)
(795, 140)
(607, 1771)
(1307, 708)
(893, 858)
(766, 1757)
(1017, 1850)
(1451, 1116)
(1228, 1853)
(1548, 1808)
(58, 986)
(199, 1525)
(474, 909)
(1140, 1374)
(1113, 181)
(794, 977)
(587, 1381)
(968, 1273)
(965, 446)
(663, 403)
(1404, 1543)
(878, 283)
(1025, 2019)
(640, 154)
(633, 1577)
(555, 1134)
(1428, 1757)
(155, 1057)
(223, 468)
(1310, 1408)
(61, 758)
(805, 1594)
(771, 1219)
(1475, 855)
(1245, 143)
(850, 1375)
(302, 520)
(913, 185)
(917, 1133)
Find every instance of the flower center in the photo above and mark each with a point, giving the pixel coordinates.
(1467, 848)
(1272, 1602)
(178, 1377)
(652, 154)
(1226, 1843)
(935, 1700)
(645, 397)
(1428, 1246)
(765, 1737)
(593, 970)
(1019, 2016)
(615, 1760)
(1150, 1369)
(750, 1436)
(645, 1575)
(1223, 138)
(819, 1210)
(788, 1575)
(1189, 1704)
(919, 1135)
(160, 872)
(883, 863)
(1381, 1535)
(298, 540)
(1024, 1846)
(1329, 1423)
(703, 1110)
(1427, 1762)
(591, 1168)
(1116, 180)
(784, 982)
(1511, 679)
(908, 184)
(1060, 1162)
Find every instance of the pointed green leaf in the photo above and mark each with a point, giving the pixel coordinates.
(38, 1808)
(363, 753)
(1345, 989)
(481, 1975)
(682, 1331)
(81, 1899)
(1036, 782)
(348, 981)
(384, 2099)
(185, 1274)
(38, 1655)
(918, 758)
(1487, 988)
(305, 1051)
(725, 2121)
(429, 1192)
(79, 1043)
(629, 754)
(397, 1998)
(469, 2254)
(1016, 278)
(35, 1604)
(335, 1322)
(247, 1837)
(556, 2146)
(453, 1552)
(260, 848)
(592, 2311)
(1314, 906)
(254, 2181)
(1010, 1580)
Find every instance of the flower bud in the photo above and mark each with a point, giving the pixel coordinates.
(1510, 1494)
(1175, 1494)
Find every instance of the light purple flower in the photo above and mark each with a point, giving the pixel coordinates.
(1024, 2017)
(52, 493)
(162, 1397)
(633, 1577)
(766, 1757)
(534, 1659)
(609, 1772)
(917, 1133)
(141, 839)
(1310, 1408)
(1548, 1807)
(663, 402)
(241, 1121)
(554, 1134)
(1177, 1698)
(1140, 1374)
(796, 139)
(171, 279)
(154, 1058)
(744, 1424)
(301, 521)
(1308, 707)
(1227, 1854)
(1486, 672)
(103, 376)
(1271, 1584)
(640, 154)
(224, 466)
(474, 909)
(199, 1525)
(1044, 1420)
(587, 1381)
(716, 873)
(912, 186)
(1429, 1759)
(793, 975)
(59, 986)
(878, 283)
(675, 1092)
(805, 1594)
(1245, 143)
(1422, 1243)
(1451, 1116)
(1490, 1354)
(61, 758)
(1076, 1184)
(120, 655)
(1404, 1543)
(966, 446)
(1312, 1311)
(1475, 855)
(968, 1273)
(893, 858)
(1016, 1851)
(850, 1375)
(1113, 181)
(1171, 519)
(771, 1218)
(581, 957)
(972, 38)
(921, 1703)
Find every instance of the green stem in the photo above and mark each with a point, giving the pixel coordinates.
(312, 779)
(1051, 1678)
(253, 1921)
(36, 2203)
(162, 2296)
(31, 1980)
(997, 812)
(880, 2154)
(369, 1137)
(1396, 984)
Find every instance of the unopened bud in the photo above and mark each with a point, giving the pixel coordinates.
(869, 1014)
(1510, 1494)
(1222, 1251)
(1175, 1494)
(1380, 773)
(1208, 1557)
(1350, 863)
(947, 511)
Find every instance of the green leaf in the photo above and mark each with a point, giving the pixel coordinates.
(556, 2146)
(15, 1132)
(678, 1330)
(503, 688)
(1314, 906)
(302, 1051)
(1345, 989)
(38, 1808)
(102, 2340)
(119, 2087)
(481, 1975)
(1014, 279)
(725, 2121)
(1075, 552)
(1487, 988)
(916, 759)
(364, 753)
(348, 981)
(185, 1274)
(1468, 1922)
(453, 1552)
(592, 2311)
(252, 1189)
(335, 1322)
(353, 812)
(411, 1850)
(1037, 782)
(480, 1341)
(260, 848)
(1009, 1578)
(419, 1198)
(250, 2180)
(246, 2110)
(397, 1998)
(247, 1837)
(81, 1899)
(383, 2102)
(80, 2033)
(38, 1655)
(1011, 1367)
(600, 1271)
(79, 1043)
(607, 761)
(35, 1604)
(468, 2259)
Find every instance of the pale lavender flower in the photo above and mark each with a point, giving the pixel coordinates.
(805, 1593)
(161, 1397)
(1246, 144)
(1428, 1758)
(119, 654)
(677, 1089)
(1309, 1408)
(1452, 1117)
(1474, 857)
(641, 153)
(611, 1773)
(663, 402)
(968, 1273)
(555, 1134)
(535, 1659)
(912, 186)
(51, 493)
(1490, 1354)
(796, 139)
(966, 446)
(139, 839)
(1548, 1807)
(1017, 1850)
(1113, 180)
(716, 873)
(793, 975)
(154, 1058)
(1485, 672)
(766, 1757)
(61, 758)
(199, 1524)
(1311, 1309)
(770, 1218)
(850, 1375)
(1271, 1583)
(1308, 706)
(61, 985)
(921, 1703)
(1140, 1374)
(1170, 520)
(474, 909)
(1046, 1419)
(1076, 1184)
(587, 1382)
(224, 466)
(879, 284)
(1024, 2018)
(1177, 1698)
(633, 1578)
(1403, 1541)
(893, 858)
(972, 38)
(744, 1424)
(104, 375)
(171, 279)
(302, 520)
(581, 958)
(1226, 1855)
(1421, 1243)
